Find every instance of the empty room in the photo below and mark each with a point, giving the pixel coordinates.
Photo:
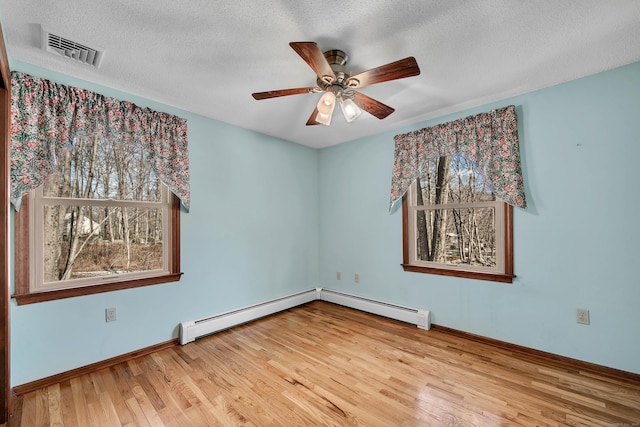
(295, 213)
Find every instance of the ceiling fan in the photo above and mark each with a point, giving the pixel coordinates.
(338, 86)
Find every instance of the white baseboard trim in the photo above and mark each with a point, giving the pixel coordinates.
(193, 329)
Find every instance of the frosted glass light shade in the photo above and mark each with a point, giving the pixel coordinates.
(327, 103)
(350, 110)
(325, 108)
(323, 119)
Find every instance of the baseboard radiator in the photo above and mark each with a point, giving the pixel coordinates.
(191, 330)
(420, 318)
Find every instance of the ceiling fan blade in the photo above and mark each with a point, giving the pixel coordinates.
(406, 67)
(312, 118)
(312, 55)
(284, 92)
(371, 106)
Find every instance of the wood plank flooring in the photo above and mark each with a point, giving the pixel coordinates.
(325, 365)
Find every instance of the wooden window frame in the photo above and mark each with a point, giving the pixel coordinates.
(506, 277)
(24, 295)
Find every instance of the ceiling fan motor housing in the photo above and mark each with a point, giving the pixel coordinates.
(337, 59)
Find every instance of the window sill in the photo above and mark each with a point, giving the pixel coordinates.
(34, 297)
(492, 277)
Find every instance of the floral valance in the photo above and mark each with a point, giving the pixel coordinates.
(46, 117)
(490, 140)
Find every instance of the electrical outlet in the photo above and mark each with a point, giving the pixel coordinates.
(110, 314)
(338, 275)
(582, 316)
(356, 278)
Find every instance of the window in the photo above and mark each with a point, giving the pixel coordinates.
(93, 217)
(453, 224)
(102, 221)
(457, 220)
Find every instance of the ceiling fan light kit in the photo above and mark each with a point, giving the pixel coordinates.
(337, 85)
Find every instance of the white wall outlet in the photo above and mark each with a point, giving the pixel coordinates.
(110, 314)
(338, 275)
(356, 278)
(582, 316)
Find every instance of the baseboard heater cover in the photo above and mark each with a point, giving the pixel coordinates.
(420, 318)
(191, 330)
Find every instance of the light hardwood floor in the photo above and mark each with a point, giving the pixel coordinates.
(325, 365)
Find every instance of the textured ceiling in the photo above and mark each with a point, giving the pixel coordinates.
(209, 56)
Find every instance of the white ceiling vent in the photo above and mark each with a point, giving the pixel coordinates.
(70, 49)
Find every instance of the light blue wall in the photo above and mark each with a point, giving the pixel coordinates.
(251, 235)
(576, 246)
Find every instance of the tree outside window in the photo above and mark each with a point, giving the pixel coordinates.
(454, 225)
